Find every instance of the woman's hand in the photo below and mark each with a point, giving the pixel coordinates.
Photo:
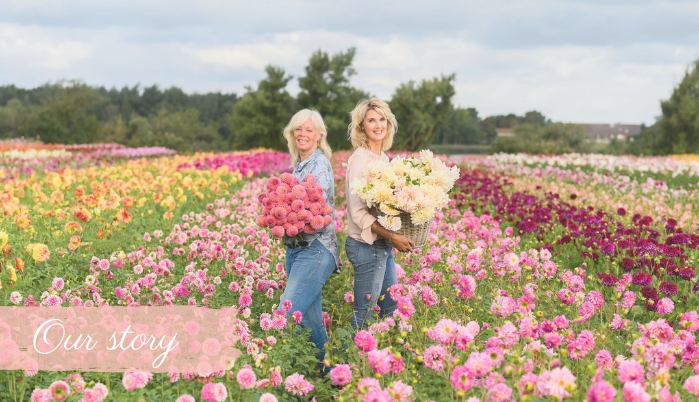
(402, 243)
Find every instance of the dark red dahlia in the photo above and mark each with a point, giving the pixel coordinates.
(668, 288)
(641, 279)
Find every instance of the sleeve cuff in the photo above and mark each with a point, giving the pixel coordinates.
(365, 225)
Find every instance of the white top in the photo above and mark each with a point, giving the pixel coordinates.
(360, 216)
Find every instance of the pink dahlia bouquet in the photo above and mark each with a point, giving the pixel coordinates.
(291, 207)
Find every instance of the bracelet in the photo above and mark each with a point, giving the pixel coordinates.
(390, 238)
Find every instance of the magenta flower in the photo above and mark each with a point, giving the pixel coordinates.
(246, 378)
(556, 383)
(296, 384)
(341, 374)
(365, 341)
(214, 392)
(601, 391)
(59, 391)
(434, 357)
(691, 384)
(461, 378)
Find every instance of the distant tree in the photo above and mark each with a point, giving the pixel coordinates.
(12, 116)
(183, 131)
(259, 117)
(554, 138)
(326, 88)
(680, 121)
(67, 115)
(422, 111)
(462, 127)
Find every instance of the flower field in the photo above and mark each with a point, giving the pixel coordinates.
(545, 278)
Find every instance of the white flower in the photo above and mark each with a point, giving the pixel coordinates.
(392, 223)
(387, 209)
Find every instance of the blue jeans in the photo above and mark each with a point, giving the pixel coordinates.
(307, 270)
(374, 273)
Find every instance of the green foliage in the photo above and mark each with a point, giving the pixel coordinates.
(66, 116)
(422, 111)
(554, 138)
(326, 88)
(680, 122)
(462, 127)
(261, 115)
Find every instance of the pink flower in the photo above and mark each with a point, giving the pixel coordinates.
(601, 391)
(59, 390)
(509, 334)
(461, 378)
(556, 383)
(631, 370)
(479, 364)
(444, 332)
(690, 321)
(596, 298)
(16, 297)
(405, 307)
(246, 378)
(279, 321)
(297, 385)
(136, 379)
(297, 316)
(214, 392)
(634, 392)
(604, 359)
(57, 284)
(185, 398)
(434, 357)
(267, 397)
(628, 300)
(341, 374)
(365, 341)
(691, 384)
(499, 393)
(665, 306)
(367, 385)
(380, 361)
(286, 305)
(400, 392)
(41, 395)
(278, 231)
(503, 306)
(377, 396)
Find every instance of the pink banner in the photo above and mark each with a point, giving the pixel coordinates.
(176, 339)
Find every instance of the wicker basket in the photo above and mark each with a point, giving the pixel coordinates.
(416, 233)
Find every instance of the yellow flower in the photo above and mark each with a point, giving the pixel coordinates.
(3, 238)
(13, 274)
(23, 221)
(40, 252)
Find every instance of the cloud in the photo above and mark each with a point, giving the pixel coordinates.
(593, 61)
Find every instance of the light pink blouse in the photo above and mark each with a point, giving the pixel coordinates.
(360, 217)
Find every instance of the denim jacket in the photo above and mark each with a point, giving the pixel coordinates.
(319, 166)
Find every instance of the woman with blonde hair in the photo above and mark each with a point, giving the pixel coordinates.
(371, 132)
(310, 261)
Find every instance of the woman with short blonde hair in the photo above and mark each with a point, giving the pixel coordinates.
(310, 261)
(296, 121)
(371, 132)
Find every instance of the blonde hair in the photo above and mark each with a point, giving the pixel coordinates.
(355, 131)
(297, 120)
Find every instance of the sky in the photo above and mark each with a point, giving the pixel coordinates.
(590, 61)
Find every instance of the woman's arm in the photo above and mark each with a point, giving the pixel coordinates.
(359, 213)
(400, 242)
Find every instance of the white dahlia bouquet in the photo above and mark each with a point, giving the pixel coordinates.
(417, 186)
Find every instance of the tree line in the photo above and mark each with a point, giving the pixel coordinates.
(71, 112)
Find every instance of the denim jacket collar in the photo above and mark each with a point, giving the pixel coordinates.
(301, 164)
